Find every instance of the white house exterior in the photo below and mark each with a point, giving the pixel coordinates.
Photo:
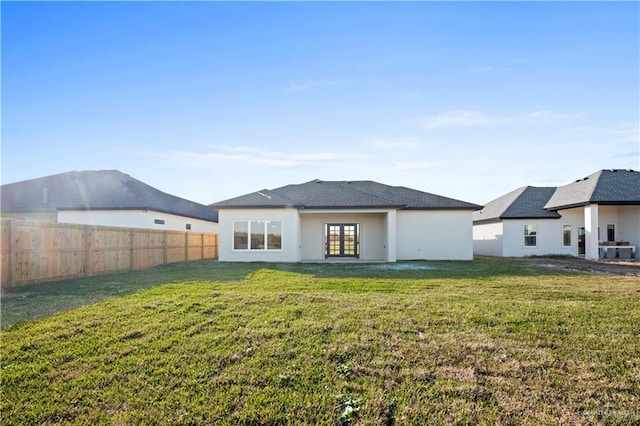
(363, 220)
(144, 219)
(595, 217)
(105, 198)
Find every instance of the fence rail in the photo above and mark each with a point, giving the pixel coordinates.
(42, 251)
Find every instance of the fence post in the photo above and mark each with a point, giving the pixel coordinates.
(164, 247)
(10, 260)
(132, 250)
(87, 251)
(186, 246)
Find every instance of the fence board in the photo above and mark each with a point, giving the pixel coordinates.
(5, 248)
(42, 251)
(175, 247)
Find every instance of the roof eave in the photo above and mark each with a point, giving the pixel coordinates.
(529, 217)
(487, 221)
(586, 203)
(470, 208)
(191, 216)
(254, 206)
(566, 206)
(343, 207)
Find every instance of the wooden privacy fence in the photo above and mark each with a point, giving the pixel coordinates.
(40, 251)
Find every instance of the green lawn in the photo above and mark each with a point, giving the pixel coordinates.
(483, 342)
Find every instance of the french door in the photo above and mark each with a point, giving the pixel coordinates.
(342, 240)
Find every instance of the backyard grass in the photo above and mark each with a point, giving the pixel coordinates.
(483, 342)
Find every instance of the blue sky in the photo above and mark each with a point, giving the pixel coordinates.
(210, 100)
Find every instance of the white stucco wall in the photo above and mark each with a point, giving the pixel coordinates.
(487, 239)
(548, 239)
(608, 215)
(290, 251)
(625, 218)
(434, 235)
(507, 237)
(629, 217)
(575, 218)
(373, 238)
(37, 217)
(136, 219)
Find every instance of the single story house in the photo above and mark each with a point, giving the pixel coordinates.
(595, 217)
(103, 197)
(344, 220)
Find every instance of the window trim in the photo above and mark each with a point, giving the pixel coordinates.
(342, 244)
(265, 233)
(534, 236)
(611, 227)
(564, 229)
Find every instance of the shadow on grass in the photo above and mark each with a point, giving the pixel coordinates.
(39, 300)
(479, 268)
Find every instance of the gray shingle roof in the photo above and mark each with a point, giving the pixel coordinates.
(523, 203)
(95, 190)
(318, 194)
(612, 187)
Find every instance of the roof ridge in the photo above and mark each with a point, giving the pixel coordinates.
(522, 190)
(593, 189)
(379, 197)
(293, 202)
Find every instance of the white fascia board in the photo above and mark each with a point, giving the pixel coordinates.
(340, 211)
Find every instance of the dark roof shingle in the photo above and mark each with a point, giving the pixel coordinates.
(613, 187)
(95, 190)
(319, 194)
(526, 202)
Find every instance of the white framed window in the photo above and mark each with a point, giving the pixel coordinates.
(566, 235)
(530, 235)
(611, 232)
(257, 235)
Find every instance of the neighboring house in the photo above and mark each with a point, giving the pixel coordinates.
(104, 197)
(344, 220)
(598, 216)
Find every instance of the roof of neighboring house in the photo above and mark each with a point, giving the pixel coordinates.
(526, 202)
(612, 187)
(95, 190)
(319, 194)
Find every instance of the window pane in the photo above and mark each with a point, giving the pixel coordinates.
(241, 235)
(611, 232)
(566, 235)
(334, 240)
(349, 240)
(257, 235)
(530, 232)
(274, 235)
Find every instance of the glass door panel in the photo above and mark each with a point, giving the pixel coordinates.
(342, 240)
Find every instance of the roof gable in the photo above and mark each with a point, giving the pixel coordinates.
(96, 190)
(319, 194)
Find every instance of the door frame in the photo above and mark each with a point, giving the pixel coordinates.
(582, 241)
(353, 229)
